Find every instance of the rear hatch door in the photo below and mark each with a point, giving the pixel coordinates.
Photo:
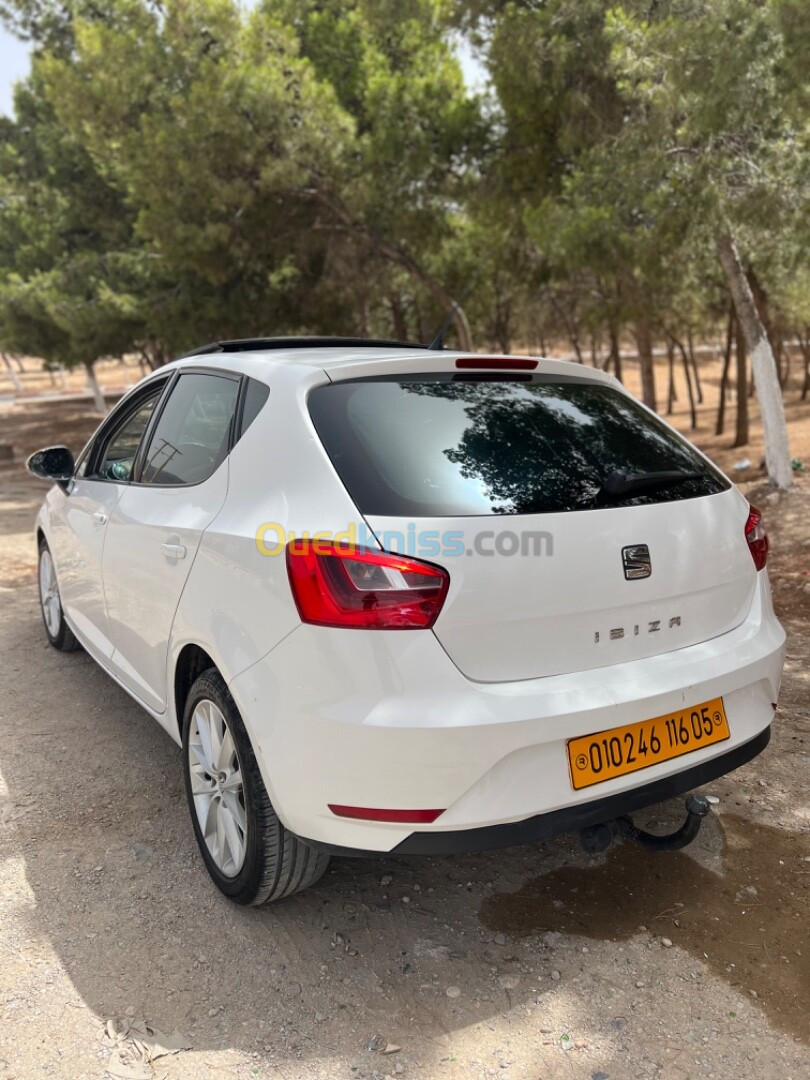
(506, 482)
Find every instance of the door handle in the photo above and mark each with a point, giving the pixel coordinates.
(173, 551)
(99, 517)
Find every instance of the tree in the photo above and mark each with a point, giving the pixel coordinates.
(229, 136)
(66, 270)
(705, 85)
(593, 205)
(638, 137)
(183, 170)
(416, 133)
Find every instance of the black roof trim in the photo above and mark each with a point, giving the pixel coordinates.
(260, 344)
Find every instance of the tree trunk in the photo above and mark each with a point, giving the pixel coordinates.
(804, 344)
(92, 382)
(616, 352)
(394, 254)
(571, 328)
(784, 354)
(503, 334)
(671, 394)
(594, 361)
(741, 432)
(646, 364)
(364, 317)
(421, 332)
(688, 376)
(777, 450)
(157, 353)
(15, 378)
(398, 318)
(721, 407)
(693, 363)
(763, 306)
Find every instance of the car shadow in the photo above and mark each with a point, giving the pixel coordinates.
(96, 808)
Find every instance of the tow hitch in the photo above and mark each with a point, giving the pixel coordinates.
(597, 838)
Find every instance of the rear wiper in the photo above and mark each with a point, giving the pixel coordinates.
(622, 485)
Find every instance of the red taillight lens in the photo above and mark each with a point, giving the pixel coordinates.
(757, 538)
(341, 585)
(495, 363)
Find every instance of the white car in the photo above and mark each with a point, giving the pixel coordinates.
(393, 599)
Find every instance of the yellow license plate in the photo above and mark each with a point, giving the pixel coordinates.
(593, 759)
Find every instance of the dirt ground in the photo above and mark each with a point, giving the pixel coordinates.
(536, 962)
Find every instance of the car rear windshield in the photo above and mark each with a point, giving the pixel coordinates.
(467, 445)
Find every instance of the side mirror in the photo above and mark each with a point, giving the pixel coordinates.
(54, 463)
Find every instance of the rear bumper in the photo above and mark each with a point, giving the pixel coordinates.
(363, 718)
(574, 818)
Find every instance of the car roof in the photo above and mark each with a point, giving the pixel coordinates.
(342, 358)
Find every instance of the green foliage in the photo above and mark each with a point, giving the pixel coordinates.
(189, 169)
(239, 180)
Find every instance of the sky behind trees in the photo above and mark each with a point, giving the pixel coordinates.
(13, 66)
(15, 63)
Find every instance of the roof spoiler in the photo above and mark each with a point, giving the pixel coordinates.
(260, 344)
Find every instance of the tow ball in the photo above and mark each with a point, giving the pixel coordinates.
(597, 838)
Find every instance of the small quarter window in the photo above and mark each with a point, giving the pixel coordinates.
(256, 395)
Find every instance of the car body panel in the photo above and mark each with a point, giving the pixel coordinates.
(237, 604)
(144, 580)
(388, 720)
(562, 602)
(441, 718)
(77, 528)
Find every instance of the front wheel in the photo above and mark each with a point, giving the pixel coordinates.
(50, 604)
(247, 851)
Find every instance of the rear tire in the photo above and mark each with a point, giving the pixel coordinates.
(50, 604)
(249, 854)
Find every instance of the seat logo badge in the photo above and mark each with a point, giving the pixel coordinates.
(636, 561)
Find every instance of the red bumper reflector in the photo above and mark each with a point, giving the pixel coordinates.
(404, 817)
(496, 363)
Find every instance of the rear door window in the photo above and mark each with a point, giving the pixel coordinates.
(193, 432)
(450, 445)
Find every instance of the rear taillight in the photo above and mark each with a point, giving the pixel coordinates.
(342, 585)
(757, 538)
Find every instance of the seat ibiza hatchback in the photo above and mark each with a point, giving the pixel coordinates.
(390, 599)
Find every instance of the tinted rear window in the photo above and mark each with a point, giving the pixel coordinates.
(449, 446)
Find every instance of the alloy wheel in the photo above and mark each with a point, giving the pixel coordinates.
(49, 594)
(217, 788)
